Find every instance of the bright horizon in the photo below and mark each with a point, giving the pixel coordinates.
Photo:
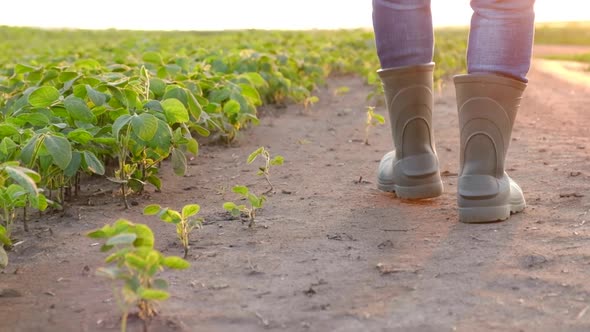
(240, 14)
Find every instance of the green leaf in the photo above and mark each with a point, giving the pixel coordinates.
(155, 181)
(151, 209)
(179, 162)
(22, 69)
(145, 236)
(176, 92)
(231, 107)
(36, 119)
(229, 206)
(78, 109)
(170, 216)
(254, 154)
(98, 98)
(39, 202)
(157, 86)
(242, 190)
(124, 238)
(60, 150)
(4, 240)
(175, 262)
(175, 111)
(90, 64)
(153, 257)
(162, 140)
(154, 294)
(238, 210)
(251, 94)
(200, 129)
(67, 76)
(74, 165)
(190, 210)
(192, 146)
(93, 164)
(380, 119)
(194, 106)
(80, 135)
(144, 126)
(152, 57)
(19, 176)
(44, 96)
(277, 160)
(28, 151)
(120, 123)
(7, 129)
(135, 261)
(255, 78)
(8, 146)
(97, 234)
(254, 200)
(105, 248)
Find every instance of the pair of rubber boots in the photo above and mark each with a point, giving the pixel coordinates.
(487, 106)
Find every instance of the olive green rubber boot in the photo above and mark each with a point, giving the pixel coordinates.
(411, 170)
(487, 107)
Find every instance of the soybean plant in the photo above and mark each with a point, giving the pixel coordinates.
(373, 119)
(135, 264)
(185, 221)
(268, 162)
(256, 203)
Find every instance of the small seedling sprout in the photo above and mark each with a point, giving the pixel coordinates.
(185, 220)
(268, 162)
(256, 202)
(373, 119)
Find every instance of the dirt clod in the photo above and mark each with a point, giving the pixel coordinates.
(340, 237)
(533, 261)
(568, 195)
(8, 292)
(310, 291)
(385, 244)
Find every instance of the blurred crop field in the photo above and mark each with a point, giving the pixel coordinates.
(577, 34)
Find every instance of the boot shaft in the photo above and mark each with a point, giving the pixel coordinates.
(409, 100)
(487, 106)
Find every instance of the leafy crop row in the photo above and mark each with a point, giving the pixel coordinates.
(116, 103)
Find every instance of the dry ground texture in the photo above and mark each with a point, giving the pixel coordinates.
(330, 252)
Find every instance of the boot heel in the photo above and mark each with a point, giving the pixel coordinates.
(429, 190)
(484, 214)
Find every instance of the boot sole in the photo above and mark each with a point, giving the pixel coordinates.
(485, 214)
(423, 191)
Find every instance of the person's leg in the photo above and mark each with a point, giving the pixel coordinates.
(403, 33)
(488, 98)
(501, 37)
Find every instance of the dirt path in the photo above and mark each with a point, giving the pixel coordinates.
(311, 264)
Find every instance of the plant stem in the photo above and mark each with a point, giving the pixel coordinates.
(124, 322)
(272, 188)
(7, 221)
(124, 193)
(26, 225)
(251, 214)
(76, 184)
